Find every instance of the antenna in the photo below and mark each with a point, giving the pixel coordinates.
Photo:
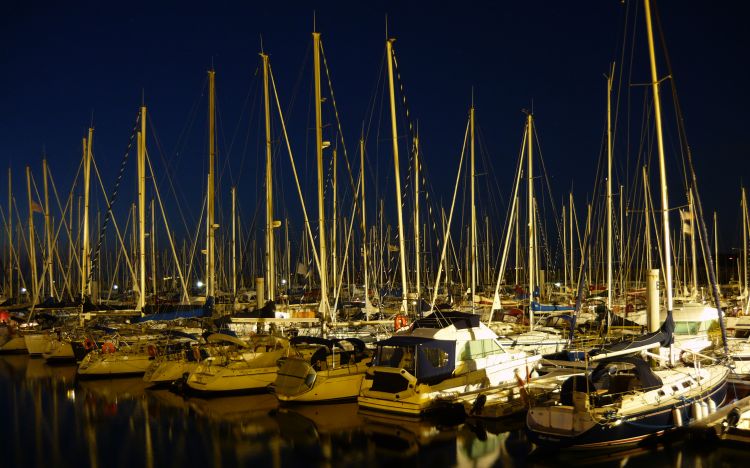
(386, 26)
(472, 96)
(314, 25)
(261, 43)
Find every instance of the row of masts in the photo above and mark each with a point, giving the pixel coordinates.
(322, 262)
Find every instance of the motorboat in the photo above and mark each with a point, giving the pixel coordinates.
(439, 357)
(322, 370)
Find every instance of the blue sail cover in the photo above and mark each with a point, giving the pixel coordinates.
(537, 307)
(198, 312)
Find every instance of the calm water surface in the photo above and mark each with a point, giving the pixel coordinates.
(49, 419)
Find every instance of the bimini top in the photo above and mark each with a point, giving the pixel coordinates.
(445, 319)
(641, 369)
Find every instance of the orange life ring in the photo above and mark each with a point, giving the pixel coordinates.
(152, 350)
(400, 321)
(108, 347)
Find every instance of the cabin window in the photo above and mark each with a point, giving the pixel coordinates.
(661, 393)
(477, 349)
(686, 328)
(436, 357)
(686, 384)
(675, 388)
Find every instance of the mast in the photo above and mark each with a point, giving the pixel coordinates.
(10, 232)
(570, 229)
(692, 246)
(565, 249)
(334, 229)
(368, 304)
(417, 253)
(85, 259)
(647, 214)
(662, 162)
(48, 231)
(473, 238)
(210, 205)
(324, 306)
(152, 238)
(270, 250)
(396, 166)
(518, 243)
(32, 249)
(530, 207)
(609, 188)
(234, 242)
(141, 211)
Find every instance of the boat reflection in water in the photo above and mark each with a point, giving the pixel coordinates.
(50, 418)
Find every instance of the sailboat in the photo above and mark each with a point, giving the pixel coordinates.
(622, 400)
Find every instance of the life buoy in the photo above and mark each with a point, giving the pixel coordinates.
(88, 344)
(152, 350)
(400, 321)
(108, 347)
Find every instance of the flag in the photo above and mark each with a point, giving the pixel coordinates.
(36, 207)
(392, 248)
(687, 222)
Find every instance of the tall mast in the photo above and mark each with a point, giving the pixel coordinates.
(609, 188)
(48, 231)
(647, 216)
(692, 245)
(473, 238)
(85, 258)
(518, 243)
(565, 249)
(570, 229)
(334, 227)
(210, 205)
(32, 249)
(324, 306)
(234, 242)
(396, 166)
(141, 211)
(530, 208)
(270, 249)
(10, 233)
(662, 161)
(152, 238)
(368, 304)
(417, 252)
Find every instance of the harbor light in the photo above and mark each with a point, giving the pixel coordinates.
(199, 284)
(115, 287)
(23, 290)
(283, 281)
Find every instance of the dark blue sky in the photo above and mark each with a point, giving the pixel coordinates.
(63, 62)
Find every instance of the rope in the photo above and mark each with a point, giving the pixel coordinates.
(111, 202)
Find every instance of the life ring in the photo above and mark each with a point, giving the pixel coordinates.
(152, 351)
(88, 344)
(108, 347)
(400, 321)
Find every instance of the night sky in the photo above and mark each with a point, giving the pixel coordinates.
(66, 63)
